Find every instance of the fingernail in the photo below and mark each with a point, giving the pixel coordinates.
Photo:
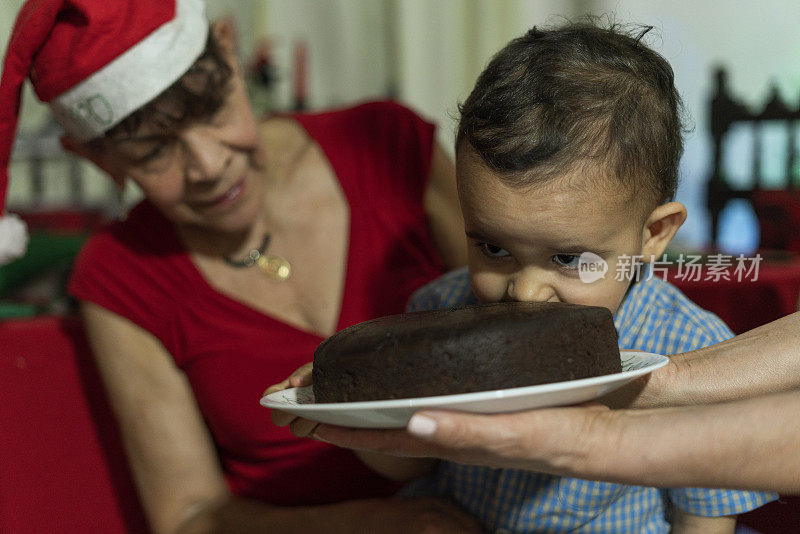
(421, 425)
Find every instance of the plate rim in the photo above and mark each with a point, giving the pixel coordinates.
(436, 400)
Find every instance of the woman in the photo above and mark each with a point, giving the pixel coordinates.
(254, 243)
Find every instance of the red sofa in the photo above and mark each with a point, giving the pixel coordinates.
(62, 465)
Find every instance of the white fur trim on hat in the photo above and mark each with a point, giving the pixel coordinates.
(141, 73)
(13, 238)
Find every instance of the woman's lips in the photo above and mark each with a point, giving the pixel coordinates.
(226, 199)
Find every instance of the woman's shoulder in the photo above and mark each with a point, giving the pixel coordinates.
(144, 231)
(133, 269)
(368, 116)
(136, 250)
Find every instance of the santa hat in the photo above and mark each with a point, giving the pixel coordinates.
(94, 62)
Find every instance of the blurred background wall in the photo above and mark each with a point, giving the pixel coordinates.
(428, 53)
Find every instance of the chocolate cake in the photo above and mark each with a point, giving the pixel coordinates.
(462, 350)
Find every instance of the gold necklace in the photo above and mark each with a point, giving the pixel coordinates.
(274, 267)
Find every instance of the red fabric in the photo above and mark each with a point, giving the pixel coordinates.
(776, 517)
(71, 40)
(61, 43)
(62, 468)
(778, 215)
(230, 353)
(748, 304)
(64, 221)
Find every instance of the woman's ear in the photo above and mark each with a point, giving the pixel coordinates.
(97, 156)
(660, 228)
(224, 33)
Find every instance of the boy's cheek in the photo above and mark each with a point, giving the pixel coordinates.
(606, 293)
(488, 287)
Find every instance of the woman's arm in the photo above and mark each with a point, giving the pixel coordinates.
(443, 211)
(761, 361)
(175, 465)
(748, 444)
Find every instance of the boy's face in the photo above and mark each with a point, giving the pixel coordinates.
(525, 243)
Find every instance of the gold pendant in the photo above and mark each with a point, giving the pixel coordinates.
(275, 267)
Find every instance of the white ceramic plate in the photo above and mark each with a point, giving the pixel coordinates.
(396, 413)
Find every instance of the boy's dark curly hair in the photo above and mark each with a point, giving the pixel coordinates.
(578, 97)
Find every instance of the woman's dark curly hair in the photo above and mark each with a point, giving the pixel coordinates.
(557, 100)
(197, 94)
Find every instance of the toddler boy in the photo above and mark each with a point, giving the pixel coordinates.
(567, 151)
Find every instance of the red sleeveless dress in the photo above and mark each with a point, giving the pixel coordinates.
(230, 352)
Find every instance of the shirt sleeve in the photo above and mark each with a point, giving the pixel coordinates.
(718, 502)
(449, 290)
(695, 328)
(113, 276)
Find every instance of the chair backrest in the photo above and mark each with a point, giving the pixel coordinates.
(770, 209)
(62, 464)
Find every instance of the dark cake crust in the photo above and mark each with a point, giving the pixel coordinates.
(462, 350)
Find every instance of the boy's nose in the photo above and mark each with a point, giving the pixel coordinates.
(528, 287)
(206, 156)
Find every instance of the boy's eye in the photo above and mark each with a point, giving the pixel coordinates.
(567, 260)
(493, 251)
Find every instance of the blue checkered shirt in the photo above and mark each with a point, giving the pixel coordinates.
(654, 317)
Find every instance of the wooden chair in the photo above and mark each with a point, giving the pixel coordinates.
(777, 210)
(778, 214)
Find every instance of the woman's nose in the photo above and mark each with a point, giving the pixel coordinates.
(206, 156)
(529, 287)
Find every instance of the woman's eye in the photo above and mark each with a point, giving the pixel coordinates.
(567, 260)
(158, 151)
(493, 251)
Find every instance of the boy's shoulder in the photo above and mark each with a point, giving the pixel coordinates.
(658, 313)
(450, 289)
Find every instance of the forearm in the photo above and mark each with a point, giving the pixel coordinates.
(749, 444)
(242, 516)
(762, 361)
(371, 516)
(395, 467)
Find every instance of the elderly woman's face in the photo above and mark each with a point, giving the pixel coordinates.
(203, 171)
(206, 173)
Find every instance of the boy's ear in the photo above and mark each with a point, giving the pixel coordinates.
(96, 156)
(660, 228)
